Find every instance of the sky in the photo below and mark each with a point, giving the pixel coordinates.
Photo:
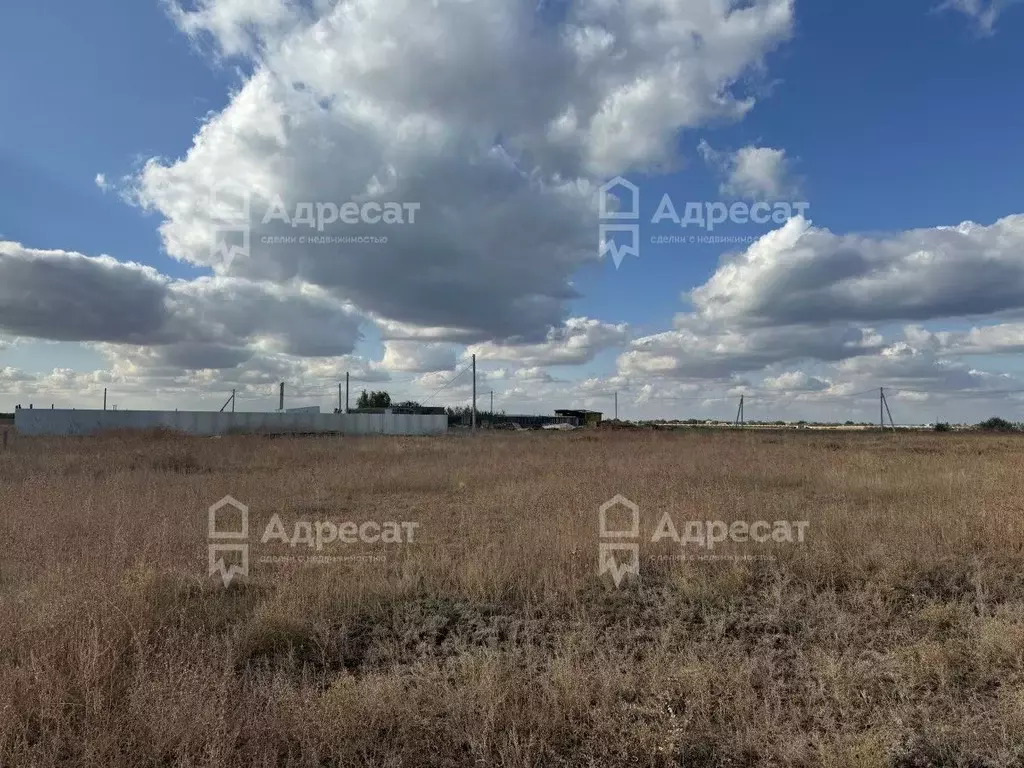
(220, 195)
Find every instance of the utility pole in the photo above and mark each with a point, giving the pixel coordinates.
(473, 418)
(104, 398)
(885, 404)
(346, 391)
(281, 399)
(492, 403)
(232, 401)
(881, 407)
(739, 413)
(616, 405)
(339, 397)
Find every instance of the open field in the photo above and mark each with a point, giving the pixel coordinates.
(892, 636)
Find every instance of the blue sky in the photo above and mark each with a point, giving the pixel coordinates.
(891, 117)
(116, 84)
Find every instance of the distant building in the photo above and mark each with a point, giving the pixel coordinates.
(524, 421)
(574, 418)
(580, 418)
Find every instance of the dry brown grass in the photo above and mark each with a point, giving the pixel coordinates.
(893, 637)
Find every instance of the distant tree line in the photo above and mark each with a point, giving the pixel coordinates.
(456, 415)
(996, 424)
(373, 400)
(463, 414)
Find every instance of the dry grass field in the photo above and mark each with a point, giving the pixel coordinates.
(892, 636)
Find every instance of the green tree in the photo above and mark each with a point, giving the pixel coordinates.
(373, 400)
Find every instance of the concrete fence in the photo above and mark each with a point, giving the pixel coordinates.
(76, 422)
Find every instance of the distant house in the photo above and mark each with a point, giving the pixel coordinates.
(581, 418)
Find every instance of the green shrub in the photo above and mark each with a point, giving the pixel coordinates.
(996, 424)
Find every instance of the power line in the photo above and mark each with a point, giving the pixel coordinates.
(810, 396)
(449, 382)
(384, 381)
(957, 392)
(836, 405)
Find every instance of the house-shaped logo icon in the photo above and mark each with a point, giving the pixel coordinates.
(223, 509)
(607, 560)
(632, 212)
(225, 538)
(606, 213)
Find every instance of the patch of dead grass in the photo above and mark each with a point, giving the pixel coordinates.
(893, 637)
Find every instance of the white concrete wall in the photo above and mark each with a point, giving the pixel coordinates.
(65, 422)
